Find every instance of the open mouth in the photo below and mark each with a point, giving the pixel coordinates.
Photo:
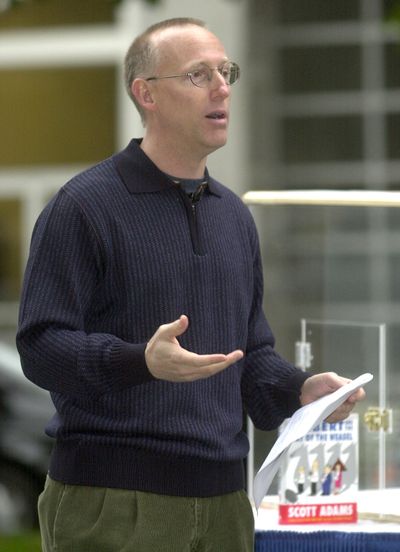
(217, 115)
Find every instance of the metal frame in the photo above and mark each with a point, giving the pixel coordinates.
(343, 198)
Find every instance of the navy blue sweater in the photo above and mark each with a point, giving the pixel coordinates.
(117, 252)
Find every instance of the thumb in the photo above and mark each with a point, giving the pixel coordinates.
(178, 327)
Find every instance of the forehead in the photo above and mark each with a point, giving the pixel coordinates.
(185, 45)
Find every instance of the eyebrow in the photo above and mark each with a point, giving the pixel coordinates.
(203, 62)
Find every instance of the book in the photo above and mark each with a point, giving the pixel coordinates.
(319, 475)
(303, 420)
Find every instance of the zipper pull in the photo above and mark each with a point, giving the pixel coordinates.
(196, 195)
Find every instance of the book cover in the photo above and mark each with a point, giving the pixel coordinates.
(319, 476)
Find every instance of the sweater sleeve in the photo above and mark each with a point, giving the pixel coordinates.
(270, 384)
(64, 268)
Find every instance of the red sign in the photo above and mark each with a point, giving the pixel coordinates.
(295, 514)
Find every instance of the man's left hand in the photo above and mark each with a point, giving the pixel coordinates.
(320, 385)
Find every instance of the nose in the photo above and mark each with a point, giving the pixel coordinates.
(219, 84)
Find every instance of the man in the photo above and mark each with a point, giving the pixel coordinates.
(142, 315)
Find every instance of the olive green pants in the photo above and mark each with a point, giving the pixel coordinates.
(95, 519)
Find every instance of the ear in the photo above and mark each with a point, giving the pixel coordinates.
(142, 92)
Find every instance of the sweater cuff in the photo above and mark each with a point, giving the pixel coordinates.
(129, 360)
(293, 386)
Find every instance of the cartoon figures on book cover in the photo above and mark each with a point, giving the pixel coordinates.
(331, 480)
(322, 468)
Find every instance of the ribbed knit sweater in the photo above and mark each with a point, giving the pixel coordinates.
(117, 252)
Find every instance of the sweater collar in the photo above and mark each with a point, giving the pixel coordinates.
(141, 175)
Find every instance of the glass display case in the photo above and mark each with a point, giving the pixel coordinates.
(352, 348)
(332, 297)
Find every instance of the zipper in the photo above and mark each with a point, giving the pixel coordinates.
(191, 210)
(194, 215)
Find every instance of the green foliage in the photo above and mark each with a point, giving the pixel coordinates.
(20, 543)
(154, 2)
(394, 13)
(8, 4)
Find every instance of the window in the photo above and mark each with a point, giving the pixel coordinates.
(316, 139)
(10, 249)
(54, 116)
(320, 69)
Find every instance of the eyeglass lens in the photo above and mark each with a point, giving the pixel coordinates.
(229, 71)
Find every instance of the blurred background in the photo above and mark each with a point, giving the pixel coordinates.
(317, 106)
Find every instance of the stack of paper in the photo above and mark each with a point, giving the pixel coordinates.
(302, 421)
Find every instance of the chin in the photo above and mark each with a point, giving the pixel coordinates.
(218, 143)
(214, 147)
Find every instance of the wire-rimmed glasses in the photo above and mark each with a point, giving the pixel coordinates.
(202, 74)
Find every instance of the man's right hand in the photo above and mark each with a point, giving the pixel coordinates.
(167, 360)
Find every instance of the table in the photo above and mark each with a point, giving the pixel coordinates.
(372, 533)
(326, 541)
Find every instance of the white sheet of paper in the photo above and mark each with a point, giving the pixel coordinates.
(302, 421)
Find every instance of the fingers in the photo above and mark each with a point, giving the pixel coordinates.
(345, 409)
(341, 413)
(188, 366)
(359, 395)
(174, 329)
(167, 360)
(320, 385)
(330, 381)
(204, 361)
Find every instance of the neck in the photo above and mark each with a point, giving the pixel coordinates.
(170, 161)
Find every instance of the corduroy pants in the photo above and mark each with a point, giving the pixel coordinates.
(95, 519)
